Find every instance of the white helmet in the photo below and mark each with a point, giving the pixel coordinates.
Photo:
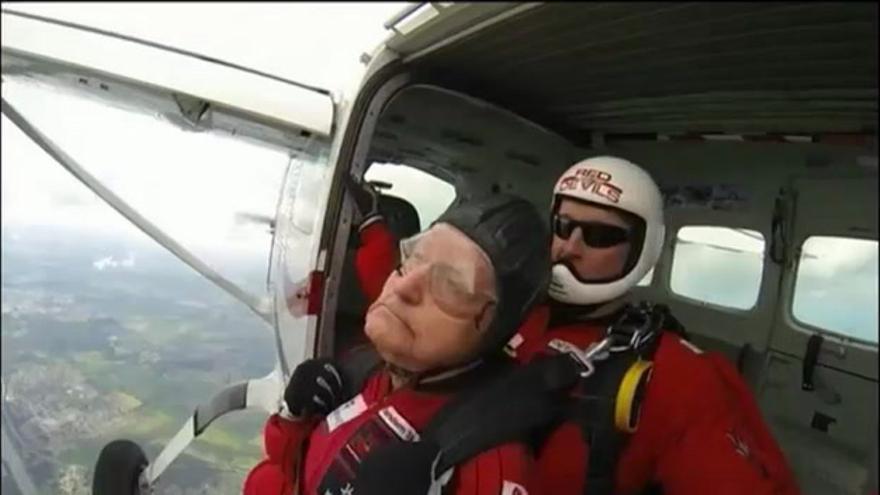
(616, 183)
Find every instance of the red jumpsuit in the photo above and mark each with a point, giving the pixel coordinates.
(700, 429)
(325, 454)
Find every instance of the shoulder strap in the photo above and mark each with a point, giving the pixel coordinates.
(357, 366)
(594, 411)
(669, 322)
(507, 407)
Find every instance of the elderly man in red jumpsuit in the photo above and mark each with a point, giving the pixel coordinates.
(438, 325)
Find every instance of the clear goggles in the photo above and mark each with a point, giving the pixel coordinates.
(450, 276)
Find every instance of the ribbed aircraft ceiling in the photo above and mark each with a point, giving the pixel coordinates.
(676, 67)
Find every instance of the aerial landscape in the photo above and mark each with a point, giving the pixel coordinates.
(105, 339)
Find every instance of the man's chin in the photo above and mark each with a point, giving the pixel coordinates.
(387, 332)
(397, 347)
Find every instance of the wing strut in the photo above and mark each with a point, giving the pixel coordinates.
(263, 393)
(260, 306)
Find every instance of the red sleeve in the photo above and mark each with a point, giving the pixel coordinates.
(375, 258)
(282, 440)
(505, 470)
(724, 447)
(776, 463)
(530, 338)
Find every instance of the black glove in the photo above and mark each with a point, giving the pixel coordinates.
(316, 387)
(401, 468)
(366, 199)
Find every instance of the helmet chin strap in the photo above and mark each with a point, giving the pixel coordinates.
(570, 312)
(408, 377)
(403, 375)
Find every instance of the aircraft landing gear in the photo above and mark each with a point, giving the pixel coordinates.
(123, 468)
(119, 469)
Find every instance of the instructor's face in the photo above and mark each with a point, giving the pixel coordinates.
(590, 263)
(433, 310)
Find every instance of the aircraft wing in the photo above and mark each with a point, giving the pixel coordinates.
(190, 90)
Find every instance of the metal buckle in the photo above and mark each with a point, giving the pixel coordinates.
(637, 335)
(597, 351)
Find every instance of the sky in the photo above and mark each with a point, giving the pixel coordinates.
(189, 184)
(142, 159)
(314, 43)
(317, 43)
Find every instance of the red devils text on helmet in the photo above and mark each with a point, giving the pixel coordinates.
(594, 181)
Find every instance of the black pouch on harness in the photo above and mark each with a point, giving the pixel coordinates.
(507, 408)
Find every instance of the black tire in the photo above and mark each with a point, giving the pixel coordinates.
(118, 469)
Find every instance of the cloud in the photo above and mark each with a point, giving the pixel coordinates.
(720, 277)
(103, 263)
(740, 239)
(836, 257)
(109, 262)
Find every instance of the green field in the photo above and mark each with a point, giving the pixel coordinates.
(231, 446)
(130, 322)
(93, 364)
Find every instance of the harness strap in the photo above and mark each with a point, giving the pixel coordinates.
(610, 400)
(357, 367)
(509, 407)
(525, 402)
(594, 409)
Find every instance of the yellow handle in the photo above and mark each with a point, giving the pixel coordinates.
(626, 411)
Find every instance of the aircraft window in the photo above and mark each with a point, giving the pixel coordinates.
(428, 194)
(836, 286)
(105, 334)
(718, 265)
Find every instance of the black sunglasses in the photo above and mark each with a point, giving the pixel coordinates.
(594, 234)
